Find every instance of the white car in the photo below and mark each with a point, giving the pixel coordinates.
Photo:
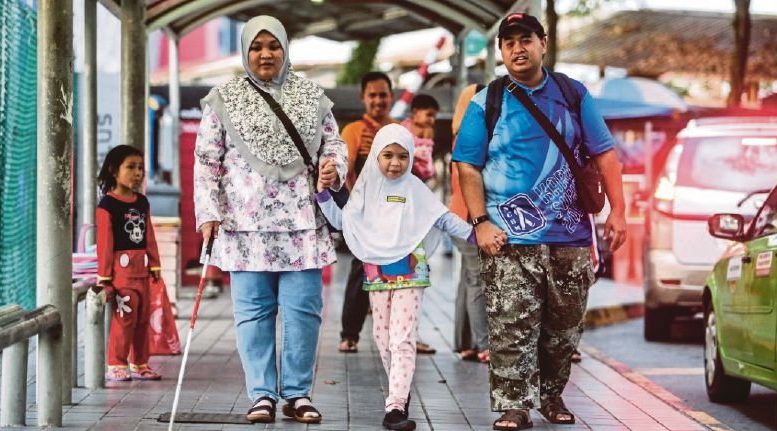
(718, 165)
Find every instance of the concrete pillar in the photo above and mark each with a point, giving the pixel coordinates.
(488, 72)
(74, 341)
(107, 323)
(54, 178)
(50, 379)
(461, 66)
(14, 385)
(89, 150)
(535, 8)
(147, 153)
(94, 341)
(174, 89)
(133, 73)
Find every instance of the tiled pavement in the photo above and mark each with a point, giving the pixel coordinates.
(447, 394)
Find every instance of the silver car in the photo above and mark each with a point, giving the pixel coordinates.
(718, 165)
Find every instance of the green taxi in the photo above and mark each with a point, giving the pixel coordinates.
(739, 302)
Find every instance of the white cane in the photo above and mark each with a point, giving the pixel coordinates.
(197, 299)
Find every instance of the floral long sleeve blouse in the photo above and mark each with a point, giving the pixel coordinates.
(267, 224)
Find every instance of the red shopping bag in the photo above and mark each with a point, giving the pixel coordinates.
(162, 332)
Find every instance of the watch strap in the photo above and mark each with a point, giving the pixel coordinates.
(479, 219)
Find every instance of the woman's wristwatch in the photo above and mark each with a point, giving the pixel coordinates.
(474, 221)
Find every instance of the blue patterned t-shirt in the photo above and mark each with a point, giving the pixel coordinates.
(529, 189)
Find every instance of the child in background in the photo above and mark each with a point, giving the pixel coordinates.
(391, 222)
(423, 114)
(126, 257)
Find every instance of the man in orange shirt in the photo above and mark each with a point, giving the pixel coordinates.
(358, 135)
(377, 98)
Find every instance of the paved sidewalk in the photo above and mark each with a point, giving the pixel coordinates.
(447, 394)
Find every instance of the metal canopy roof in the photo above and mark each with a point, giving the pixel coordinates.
(333, 19)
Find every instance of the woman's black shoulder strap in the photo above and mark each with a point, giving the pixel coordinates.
(290, 129)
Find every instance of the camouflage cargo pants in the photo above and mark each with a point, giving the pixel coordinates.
(535, 300)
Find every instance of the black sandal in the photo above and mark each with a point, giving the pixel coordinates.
(262, 413)
(520, 417)
(298, 414)
(554, 408)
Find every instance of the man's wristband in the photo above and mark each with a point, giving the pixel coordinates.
(474, 221)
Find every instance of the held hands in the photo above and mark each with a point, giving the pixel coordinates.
(327, 175)
(490, 238)
(110, 291)
(615, 229)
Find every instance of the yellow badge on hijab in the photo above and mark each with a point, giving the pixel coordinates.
(396, 199)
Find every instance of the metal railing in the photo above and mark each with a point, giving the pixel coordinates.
(16, 327)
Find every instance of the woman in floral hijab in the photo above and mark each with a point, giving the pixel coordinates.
(255, 195)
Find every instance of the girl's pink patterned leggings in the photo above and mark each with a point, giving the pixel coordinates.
(394, 327)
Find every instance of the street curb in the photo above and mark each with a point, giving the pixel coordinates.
(658, 391)
(604, 316)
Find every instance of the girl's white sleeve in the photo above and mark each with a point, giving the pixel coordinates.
(332, 212)
(454, 226)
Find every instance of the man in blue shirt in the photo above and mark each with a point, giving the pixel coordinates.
(536, 240)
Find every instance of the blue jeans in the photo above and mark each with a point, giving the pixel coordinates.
(256, 297)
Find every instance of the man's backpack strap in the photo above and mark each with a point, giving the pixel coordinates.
(493, 105)
(495, 93)
(567, 86)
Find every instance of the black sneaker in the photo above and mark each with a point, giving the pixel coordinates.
(397, 420)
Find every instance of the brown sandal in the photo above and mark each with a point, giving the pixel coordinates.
(262, 413)
(347, 346)
(520, 417)
(298, 414)
(554, 408)
(424, 349)
(469, 355)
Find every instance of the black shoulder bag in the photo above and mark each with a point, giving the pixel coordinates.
(588, 181)
(341, 196)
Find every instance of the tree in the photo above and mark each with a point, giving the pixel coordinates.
(551, 18)
(579, 8)
(742, 26)
(361, 62)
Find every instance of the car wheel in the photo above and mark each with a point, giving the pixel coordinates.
(658, 324)
(720, 387)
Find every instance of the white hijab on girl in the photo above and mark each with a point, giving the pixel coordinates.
(385, 220)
